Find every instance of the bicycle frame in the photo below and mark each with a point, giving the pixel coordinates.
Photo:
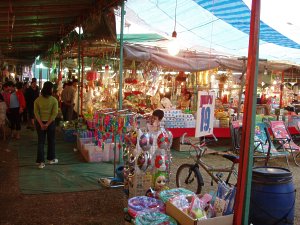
(207, 168)
(211, 170)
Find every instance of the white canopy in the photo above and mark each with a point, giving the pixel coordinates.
(221, 25)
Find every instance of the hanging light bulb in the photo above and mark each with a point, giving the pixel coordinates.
(173, 47)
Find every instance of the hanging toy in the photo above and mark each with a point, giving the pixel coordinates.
(160, 181)
(161, 161)
(133, 137)
(163, 141)
(91, 75)
(170, 137)
(146, 141)
(143, 161)
(105, 79)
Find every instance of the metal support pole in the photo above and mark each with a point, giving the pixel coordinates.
(121, 54)
(40, 76)
(242, 87)
(241, 210)
(48, 74)
(79, 68)
(281, 89)
(81, 84)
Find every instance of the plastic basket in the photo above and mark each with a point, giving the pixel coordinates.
(69, 135)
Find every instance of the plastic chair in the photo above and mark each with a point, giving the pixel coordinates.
(284, 139)
(264, 145)
(294, 121)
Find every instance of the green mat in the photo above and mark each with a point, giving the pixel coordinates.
(71, 174)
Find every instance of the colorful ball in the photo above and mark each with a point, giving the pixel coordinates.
(163, 141)
(170, 136)
(146, 141)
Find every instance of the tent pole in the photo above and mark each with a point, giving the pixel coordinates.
(81, 79)
(121, 54)
(79, 67)
(242, 87)
(281, 89)
(241, 215)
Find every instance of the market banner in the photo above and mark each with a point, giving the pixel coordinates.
(205, 113)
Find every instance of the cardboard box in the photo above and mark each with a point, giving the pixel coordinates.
(184, 219)
(179, 147)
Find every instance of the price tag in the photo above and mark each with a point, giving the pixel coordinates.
(205, 113)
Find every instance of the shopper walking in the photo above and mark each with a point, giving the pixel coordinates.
(31, 94)
(67, 98)
(22, 104)
(45, 111)
(24, 116)
(16, 105)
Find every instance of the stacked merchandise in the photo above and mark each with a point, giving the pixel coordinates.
(70, 129)
(182, 206)
(177, 119)
(148, 161)
(105, 141)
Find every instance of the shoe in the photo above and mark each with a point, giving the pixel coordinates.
(41, 165)
(104, 182)
(53, 161)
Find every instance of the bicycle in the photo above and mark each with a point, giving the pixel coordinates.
(189, 176)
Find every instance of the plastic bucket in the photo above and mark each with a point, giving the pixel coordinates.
(272, 196)
(120, 173)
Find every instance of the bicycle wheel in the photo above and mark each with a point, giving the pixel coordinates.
(188, 176)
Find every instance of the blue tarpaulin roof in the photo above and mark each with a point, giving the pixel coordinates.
(237, 14)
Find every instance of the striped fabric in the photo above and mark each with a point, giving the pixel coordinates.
(236, 13)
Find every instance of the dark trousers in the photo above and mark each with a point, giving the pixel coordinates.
(14, 118)
(24, 115)
(67, 111)
(50, 133)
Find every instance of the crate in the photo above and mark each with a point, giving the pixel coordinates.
(82, 141)
(92, 153)
(184, 219)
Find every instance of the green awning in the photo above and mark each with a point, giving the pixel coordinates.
(133, 38)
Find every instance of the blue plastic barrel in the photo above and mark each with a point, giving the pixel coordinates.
(272, 196)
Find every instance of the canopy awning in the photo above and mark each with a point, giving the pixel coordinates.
(219, 25)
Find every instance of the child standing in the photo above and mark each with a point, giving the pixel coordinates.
(154, 123)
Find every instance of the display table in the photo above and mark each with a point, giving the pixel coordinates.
(218, 132)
